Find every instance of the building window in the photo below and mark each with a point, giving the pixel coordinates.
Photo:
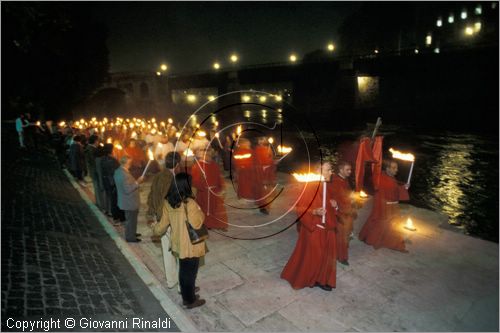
(463, 15)
(478, 10)
(439, 22)
(493, 5)
(451, 18)
(436, 50)
(428, 39)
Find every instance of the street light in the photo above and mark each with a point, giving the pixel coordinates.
(293, 58)
(158, 73)
(163, 67)
(330, 47)
(233, 58)
(216, 65)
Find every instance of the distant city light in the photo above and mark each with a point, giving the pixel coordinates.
(234, 58)
(477, 27)
(163, 67)
(469, 31)
(191, 98)
(478, 10)
(293, 58)
(428, 39)
(463, 15)
(451, 18)
(436, 50)
(216, 65)
(158, 73)
(439, 22)
(330, 47)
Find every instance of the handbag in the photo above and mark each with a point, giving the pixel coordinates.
(195, 235)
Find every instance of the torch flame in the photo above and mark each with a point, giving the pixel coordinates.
(284, 149)
(308, 177)
(402, 156)
(150, 154)
(109, 140)
(170, 121)
(238, 130)
(243, 156)
(118, 146)
(270, 140)
(62, 123)
(409, 225)
(362, 194)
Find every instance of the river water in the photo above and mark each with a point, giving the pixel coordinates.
(454, 173)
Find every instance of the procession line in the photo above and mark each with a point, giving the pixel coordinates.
(183, 322)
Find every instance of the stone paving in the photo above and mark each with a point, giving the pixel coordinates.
(448, 281)
(57, 261)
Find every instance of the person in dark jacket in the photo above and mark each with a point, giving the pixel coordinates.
(108, 167)
(76, 159)
(90, 152)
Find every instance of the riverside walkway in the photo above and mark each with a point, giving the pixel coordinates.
(447, 282)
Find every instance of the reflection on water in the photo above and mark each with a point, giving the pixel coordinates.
(452, 173)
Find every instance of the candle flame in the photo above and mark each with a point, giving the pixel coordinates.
(188, 153)
(62, 123)
(362, 194)
(170, 121)
(109, 140)
(402, 156)
(178, 135)
(150, 155)
(270, 140)
(409, 225)
(133, 135)
(238, 130)
(102, 129)
(243, 156)
(217, 135)
(202, 133)
(118, 146)
(284, 149)
(37, 123)
(307, 177)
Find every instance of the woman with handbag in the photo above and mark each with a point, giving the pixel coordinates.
(185, 217)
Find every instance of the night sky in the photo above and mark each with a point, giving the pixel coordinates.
(190, 36)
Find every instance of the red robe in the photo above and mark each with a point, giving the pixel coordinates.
(365, 154)
(340, 191)
(245, 174)
(137, 155)
(314, 258)
(382, 228)
(377, 156)
(265, 173)
(208, 181)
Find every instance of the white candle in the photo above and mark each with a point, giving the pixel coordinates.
(409, 175)
(323, 218)
(146, 168)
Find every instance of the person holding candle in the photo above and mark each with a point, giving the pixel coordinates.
(138, 158)
(243, 161)
(207, 179)
(127, 188)
(265, 172)
(340, 191)
(381, 228)
(159, 188)
(314, 261)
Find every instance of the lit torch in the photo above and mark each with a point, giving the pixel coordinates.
(313, 177)
(404, 157)
(188, 153)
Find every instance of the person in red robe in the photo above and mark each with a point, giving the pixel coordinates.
(138, 158)
(207, 179)
(382, 229)
(313, 261)
(340, 191)
(265, 171)
(243, 161)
